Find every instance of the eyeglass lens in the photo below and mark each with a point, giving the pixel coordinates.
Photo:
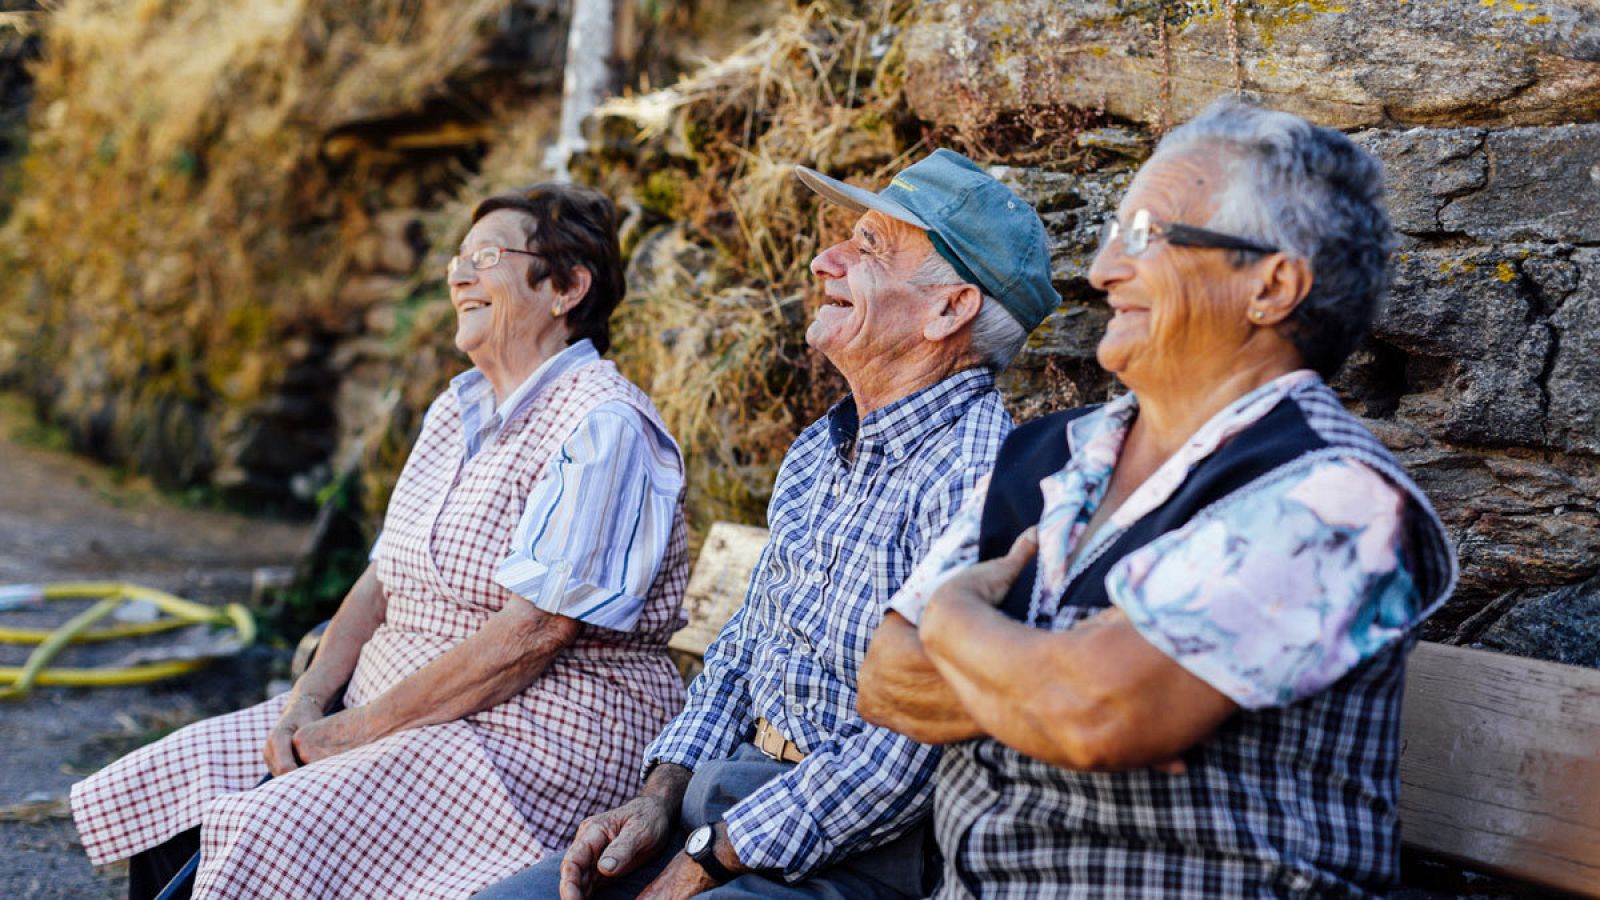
(1135, 235)
(482, 258)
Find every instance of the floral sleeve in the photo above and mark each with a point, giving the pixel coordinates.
(955, 548)
(1276, 595)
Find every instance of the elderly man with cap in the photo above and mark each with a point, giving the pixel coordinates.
(769, 784)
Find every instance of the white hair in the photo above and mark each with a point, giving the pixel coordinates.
(996, 335)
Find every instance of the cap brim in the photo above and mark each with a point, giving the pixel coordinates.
(852, 197)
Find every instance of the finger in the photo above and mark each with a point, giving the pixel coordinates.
(1172, 766)
(280, 753)
(626, 851)
(1024, 547)
(585, 847)
(991, 579)
(574, 881)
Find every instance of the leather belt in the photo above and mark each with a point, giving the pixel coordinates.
(771, 741)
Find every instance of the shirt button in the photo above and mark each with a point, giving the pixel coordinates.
(837, 488)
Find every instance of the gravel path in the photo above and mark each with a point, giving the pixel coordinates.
(62, 518)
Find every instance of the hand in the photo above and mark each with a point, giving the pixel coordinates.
(329, 736)
(682, 878)
(279, 750)
(987, 582)
(615, 843)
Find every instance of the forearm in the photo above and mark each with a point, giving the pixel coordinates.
(494, 664)
(902, 690)
(359, 615)
(1097, 697)
(667, 783)
(1018, 687)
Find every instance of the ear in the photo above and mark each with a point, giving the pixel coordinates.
(958, 307)
(578, 290)
(1285, 281)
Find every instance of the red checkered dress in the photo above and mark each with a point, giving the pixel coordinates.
(445, 810)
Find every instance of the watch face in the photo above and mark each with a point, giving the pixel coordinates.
(699, 839)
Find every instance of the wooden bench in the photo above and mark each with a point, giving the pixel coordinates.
(1499, 759)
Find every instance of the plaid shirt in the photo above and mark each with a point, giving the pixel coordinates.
(1295, 795)
(845, 532)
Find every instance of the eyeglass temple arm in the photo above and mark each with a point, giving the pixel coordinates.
(1191, 236)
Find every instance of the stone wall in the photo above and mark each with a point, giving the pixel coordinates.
(1483, 373)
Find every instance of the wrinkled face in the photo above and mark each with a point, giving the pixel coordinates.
(871, 311)
(496, 310)
(1171, 306)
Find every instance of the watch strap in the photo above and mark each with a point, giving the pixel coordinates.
(707, 858)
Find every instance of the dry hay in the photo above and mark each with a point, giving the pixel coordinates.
(177, 220)
(719, 299)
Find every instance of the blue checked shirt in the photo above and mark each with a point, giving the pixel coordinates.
(845, 532)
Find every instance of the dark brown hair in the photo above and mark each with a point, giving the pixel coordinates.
(572, 227)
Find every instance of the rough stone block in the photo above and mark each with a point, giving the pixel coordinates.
(1348, 65)
(1561, 625)
(1542, 184)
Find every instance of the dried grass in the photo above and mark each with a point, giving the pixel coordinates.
(714, 326)
(177, 221)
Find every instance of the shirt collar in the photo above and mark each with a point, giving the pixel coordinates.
(899, 426)
(480, 418)
(1096, 440)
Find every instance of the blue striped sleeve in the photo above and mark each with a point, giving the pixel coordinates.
(595, 528)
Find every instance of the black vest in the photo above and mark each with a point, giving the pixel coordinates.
(1039, 449)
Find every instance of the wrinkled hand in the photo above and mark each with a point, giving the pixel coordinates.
(682, 878)
(279, 750)
(987, 582)
(614, 843)
(329, 736)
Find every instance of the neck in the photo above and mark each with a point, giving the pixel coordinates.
(507, 371)
(1171, 413)
(876, 384)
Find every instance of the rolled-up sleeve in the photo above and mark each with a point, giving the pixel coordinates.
(596, 526)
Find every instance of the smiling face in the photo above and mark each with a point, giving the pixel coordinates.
(1173, 308)
(500, 320)
(871, 311)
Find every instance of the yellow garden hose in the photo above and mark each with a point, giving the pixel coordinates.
(180, 613)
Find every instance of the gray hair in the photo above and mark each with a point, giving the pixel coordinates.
(996, 335)
(1311, 192)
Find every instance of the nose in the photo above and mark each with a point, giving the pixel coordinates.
(1110, 267)
(831, 262)
(462, 272)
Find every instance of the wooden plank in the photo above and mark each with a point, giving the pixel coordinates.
(1500, 764)
(717, 585)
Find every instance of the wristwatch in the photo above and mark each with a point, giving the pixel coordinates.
(702, 848)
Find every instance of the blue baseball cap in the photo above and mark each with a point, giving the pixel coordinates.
(992, 237)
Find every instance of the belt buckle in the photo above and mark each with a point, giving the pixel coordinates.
(764, 735)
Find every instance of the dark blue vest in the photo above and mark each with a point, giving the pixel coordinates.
(1039, 449)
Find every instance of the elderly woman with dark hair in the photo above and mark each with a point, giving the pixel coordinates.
(1168, 642)
(505, 651)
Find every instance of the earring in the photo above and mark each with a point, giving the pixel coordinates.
(1258, 314)
(555, 308)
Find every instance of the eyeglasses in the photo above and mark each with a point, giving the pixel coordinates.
(483, 258)
(1143, 229)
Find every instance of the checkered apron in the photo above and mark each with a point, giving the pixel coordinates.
(445, 810)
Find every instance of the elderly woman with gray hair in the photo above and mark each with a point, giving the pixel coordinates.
(1167, 642)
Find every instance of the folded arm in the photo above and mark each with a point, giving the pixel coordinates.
(1267, 600)
(902, 690)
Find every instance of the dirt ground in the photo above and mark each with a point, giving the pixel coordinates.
(63, 518)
